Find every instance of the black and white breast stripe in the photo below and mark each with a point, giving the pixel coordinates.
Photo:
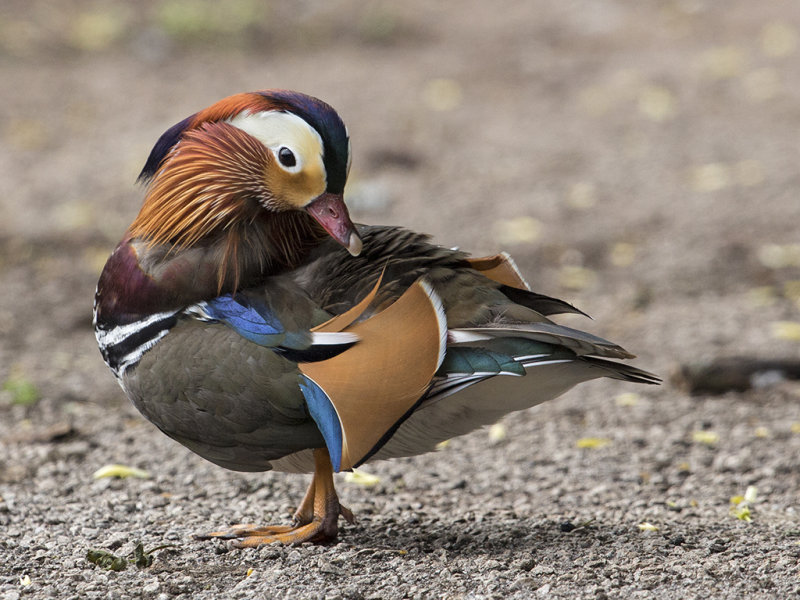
(123, 345)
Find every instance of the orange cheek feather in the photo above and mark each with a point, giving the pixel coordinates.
(296, 189)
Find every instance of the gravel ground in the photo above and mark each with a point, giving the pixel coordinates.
(638, 159)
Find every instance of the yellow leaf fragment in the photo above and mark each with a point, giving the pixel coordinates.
(740, 505)
(786, 330)
(497, 432)
(623, 254)
(711, 177)
(361, 478)
(94, 258)
(795, 428)
(705, 437)
(627, 399)
(519, 230)
(71, 215)
(592, 442)
(778, 39)
(779, 256)
(742, 512)
(657, 103)
(120, 471)
(582, 195)
(761, 432)
(574, 277)
(443, 445)
(791, 289)
(648, 526)
(762, 296)
(723, 62)
(24, 580)
(26, 134)
(442, 94)
(97, 30)
(250, 571)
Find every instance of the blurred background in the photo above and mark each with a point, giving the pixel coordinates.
(638, 159)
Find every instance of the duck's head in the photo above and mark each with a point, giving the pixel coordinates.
(276, 151)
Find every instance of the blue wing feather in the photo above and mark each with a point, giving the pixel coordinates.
(259, 326)
(257, 323)
(326, 418)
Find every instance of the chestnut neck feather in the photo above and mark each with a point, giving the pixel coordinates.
(211, 192)
(141, 279)
(207, 210)
(212, 179)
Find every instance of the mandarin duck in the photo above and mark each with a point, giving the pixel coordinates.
(247, 317)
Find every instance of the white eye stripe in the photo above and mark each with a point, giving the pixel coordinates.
(349, 156)
(349, 151)
(278, 130)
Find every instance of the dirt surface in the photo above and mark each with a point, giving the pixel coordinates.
(639, 159)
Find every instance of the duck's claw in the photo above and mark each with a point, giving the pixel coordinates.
(316, 519)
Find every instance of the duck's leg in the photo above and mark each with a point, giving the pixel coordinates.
(315, 520)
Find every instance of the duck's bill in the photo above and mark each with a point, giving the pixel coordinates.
(330, 211)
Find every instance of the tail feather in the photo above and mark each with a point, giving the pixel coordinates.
(545, 305)
(580, 342)
(622, 371)
(479, 382)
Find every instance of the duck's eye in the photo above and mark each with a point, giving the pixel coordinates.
(286, 157)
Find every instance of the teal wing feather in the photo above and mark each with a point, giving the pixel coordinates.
(477, 361)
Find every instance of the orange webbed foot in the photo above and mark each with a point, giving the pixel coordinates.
(316, 519)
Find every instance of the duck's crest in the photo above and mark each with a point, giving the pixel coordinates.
(318, 114)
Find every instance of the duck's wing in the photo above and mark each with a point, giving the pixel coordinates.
(501, 352)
